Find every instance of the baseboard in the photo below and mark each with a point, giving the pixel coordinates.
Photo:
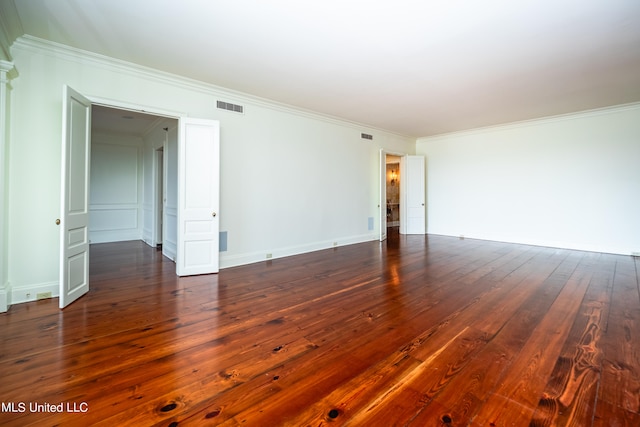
(110, 237)
(26, 293)
(615, 250)
(227, 261)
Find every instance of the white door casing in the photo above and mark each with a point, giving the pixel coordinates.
(415, 186)
(198, 197)
(74, 217)
(383, 195)
(158, 196)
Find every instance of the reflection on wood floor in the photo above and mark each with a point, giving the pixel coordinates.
(417, 330)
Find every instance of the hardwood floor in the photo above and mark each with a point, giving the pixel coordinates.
(416, 331)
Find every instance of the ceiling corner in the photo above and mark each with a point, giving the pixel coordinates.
(10, 27)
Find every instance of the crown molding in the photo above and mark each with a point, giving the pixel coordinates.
(37, 45)
(535, 122)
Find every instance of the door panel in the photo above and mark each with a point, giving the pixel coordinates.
(415, 185)
(170, 208)
(74, 219)
(198, 197)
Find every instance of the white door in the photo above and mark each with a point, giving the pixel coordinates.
(74, 218)
(415, 180)
(170, 196)
(383, 195)
(198, 197)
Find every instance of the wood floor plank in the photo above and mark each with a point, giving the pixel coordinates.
(440, 311)
(620, 385)
(416, 330)
(487, 368)
(611, 415)
(517, 396)
(395, 337)
(570, 395)
(399, 403)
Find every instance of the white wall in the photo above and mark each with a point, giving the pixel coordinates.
(116, 192)
(291, 181)
(570, 182)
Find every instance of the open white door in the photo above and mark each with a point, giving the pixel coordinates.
(198, 197)
(74, 219)
(415, 184)
(383, 195)
(170, 196)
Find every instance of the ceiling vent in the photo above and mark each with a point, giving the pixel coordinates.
(230, 107)
(366, 136)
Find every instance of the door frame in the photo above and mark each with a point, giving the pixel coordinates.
(159, 199)
(123, 105)
(181, 147)
(169, 114)
(382, 194)
(382, 182)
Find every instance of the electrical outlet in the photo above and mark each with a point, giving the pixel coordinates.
(43, 295)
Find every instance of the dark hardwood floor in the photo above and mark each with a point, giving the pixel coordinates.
(416, 331)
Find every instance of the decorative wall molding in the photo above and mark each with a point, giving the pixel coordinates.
(147, 232)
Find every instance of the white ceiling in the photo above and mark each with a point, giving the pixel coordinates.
(413, 67)
(113, 120)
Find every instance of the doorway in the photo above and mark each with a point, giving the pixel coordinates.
(408, 175)
(391, 192)
(133, 186)
(392, 179)
(197, 189)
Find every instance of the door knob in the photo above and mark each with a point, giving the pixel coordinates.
(213, 214)
(58, 221)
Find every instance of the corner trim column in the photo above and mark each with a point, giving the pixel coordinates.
(5, 69)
